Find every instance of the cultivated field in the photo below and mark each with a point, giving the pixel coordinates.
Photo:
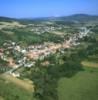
(82, 86)
(90, 64)
(25, 84)
(12, 91)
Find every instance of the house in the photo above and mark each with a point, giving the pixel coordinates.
(14, 74)
(23, 51)
(1, 52)
(29, 64)
(17, 48)
(45, 63)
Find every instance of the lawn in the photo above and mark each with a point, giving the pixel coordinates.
(82, 86)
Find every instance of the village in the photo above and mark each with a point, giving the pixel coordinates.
(17, 56)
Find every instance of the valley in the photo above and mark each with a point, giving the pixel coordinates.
(49, 59)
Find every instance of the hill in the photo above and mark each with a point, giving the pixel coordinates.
(72, 18)
(80, 18)
(7, 19)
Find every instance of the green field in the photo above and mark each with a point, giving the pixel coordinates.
(11, 91)
(82, 86)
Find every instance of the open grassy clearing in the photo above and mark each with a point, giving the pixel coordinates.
(90, 64)
(91, 61)
(1, 98)
(11, 91)
(82, 86)
(58, 33)
(25, 84)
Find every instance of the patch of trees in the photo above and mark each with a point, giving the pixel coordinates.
(3, 66)
(29, 37)
(46, 78)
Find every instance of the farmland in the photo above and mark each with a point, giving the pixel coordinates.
(11, 91)
(83, 86)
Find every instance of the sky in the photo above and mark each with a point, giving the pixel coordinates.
(47, 8)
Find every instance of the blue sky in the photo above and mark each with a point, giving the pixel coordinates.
(45, 8)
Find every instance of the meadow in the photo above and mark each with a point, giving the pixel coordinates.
(83, 86)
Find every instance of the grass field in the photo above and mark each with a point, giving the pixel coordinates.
(15, 89)
(82, 86)
(1, 98)
(90, 64)
(25, 84)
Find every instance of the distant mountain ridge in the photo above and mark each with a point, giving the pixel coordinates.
(81, 17)
(74, 17)
(2, 18)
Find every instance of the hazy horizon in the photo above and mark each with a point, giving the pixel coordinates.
(46, 8)
(48, 16)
